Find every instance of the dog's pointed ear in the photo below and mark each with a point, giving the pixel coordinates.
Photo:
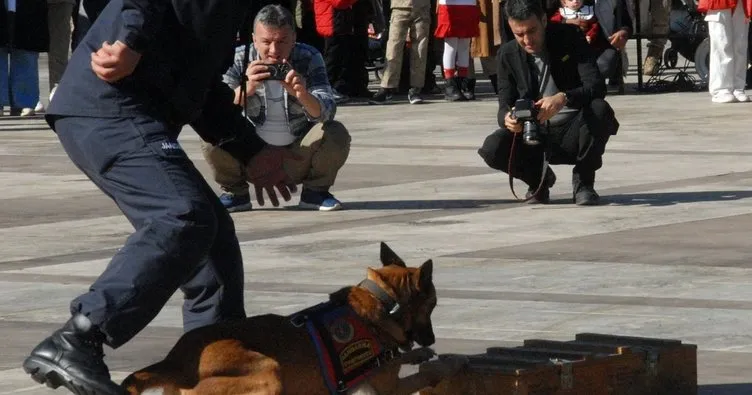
(426, 273)
(389, 257)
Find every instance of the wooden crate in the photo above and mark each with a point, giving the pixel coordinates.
(592, 364)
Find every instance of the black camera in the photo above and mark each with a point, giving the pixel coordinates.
(526, 112)
(278, 71)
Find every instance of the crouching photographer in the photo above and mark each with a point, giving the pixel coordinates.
(551, 106)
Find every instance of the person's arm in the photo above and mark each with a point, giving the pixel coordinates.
(507, 87)
(141, 20)
(317, 83)
(593, 84)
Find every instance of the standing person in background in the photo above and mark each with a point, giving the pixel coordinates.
(59, 14)
(728, 29)
(457, 25)
(23, 35)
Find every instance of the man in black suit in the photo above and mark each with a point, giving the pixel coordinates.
(553, 66)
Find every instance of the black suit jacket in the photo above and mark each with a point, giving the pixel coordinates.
(573, 69)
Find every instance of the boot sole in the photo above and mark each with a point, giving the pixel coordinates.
(47, 373)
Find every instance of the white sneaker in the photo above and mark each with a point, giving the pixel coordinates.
(741, 96)
(39, 107)
(27, 112)
(52, 91)
(723, 97)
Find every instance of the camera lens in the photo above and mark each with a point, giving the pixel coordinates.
(530, 134)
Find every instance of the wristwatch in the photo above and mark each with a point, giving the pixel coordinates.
(569, 99)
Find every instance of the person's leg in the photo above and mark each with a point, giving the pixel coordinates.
(659, 18)
(59, 21)
(398, 25)
(607, 63)
(740, 43)
(230, 175)
(214, 292)
(451, 87)
(322, 152)
(4, 79)
(420, 29)
(526, 163)
(335, 54)
(24, 74)
(139, 164)
(720, 77)
(591, 132)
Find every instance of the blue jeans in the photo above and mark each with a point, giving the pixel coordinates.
(23, 78)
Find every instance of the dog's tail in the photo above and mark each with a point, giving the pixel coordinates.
(158, 379)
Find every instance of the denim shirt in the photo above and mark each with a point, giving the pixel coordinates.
(306, 61)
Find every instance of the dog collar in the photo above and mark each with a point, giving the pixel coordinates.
(391, 306)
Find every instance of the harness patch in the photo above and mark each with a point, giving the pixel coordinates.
(347, 349)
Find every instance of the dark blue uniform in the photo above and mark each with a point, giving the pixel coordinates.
(123, 136)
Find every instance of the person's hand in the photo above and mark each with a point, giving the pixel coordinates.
(294, 84)
(589, 39)
(266, 172)
(511, 123)
(114, 62)
(256, 72)
(550, 105)
(618, 40)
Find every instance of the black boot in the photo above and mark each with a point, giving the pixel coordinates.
(452, 90)
(544, 194)
(468, 88)
(583, 193)
(494, 83)
(73, 357)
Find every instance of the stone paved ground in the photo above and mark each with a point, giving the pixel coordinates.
(667, 256)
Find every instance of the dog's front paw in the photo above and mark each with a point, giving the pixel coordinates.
(418, 355)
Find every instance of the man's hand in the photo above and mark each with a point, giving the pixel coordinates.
(618, 40)
(295, 86)
(266, 172)
(256, 73)
(550, 105)
(114, 62)
(511, 123)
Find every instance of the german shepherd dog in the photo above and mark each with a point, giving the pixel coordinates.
(272, 354)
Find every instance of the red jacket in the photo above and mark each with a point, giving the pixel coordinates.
(333, 16)
(714, 5)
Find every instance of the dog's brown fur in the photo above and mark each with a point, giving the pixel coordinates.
(268, 355)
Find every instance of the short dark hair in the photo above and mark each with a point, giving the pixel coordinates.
(274, 15)
(522, 10)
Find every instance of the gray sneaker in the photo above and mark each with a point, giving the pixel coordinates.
(413, 96)
(382, 96)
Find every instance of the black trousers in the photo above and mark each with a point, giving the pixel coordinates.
(580, 142)
(184, 238)
(345, 56)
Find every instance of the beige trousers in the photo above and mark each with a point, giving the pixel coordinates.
(418, 22)
(323, 151)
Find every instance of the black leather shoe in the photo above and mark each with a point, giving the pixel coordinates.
(73, 357)
(544, 195)
(583, 193)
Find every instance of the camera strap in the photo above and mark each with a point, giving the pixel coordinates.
(510, 166)
(245, 34)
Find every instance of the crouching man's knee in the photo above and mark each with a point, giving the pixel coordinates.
(335, 143)
(495, 149)
(602, 118)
